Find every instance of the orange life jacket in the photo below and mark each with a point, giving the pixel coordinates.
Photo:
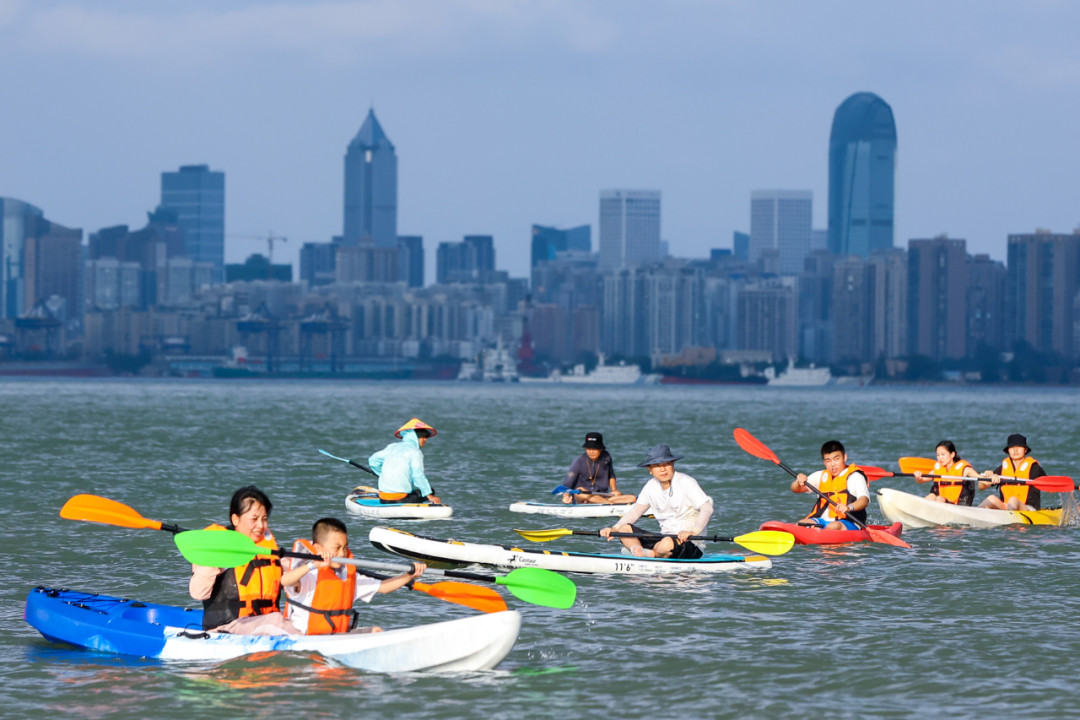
(250, 589)
(836, 489)
(331, 605)
(954, 490)
(1021, 491)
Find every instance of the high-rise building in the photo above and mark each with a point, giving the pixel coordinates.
(937, 301)
(987, 280)
(18, 222)
(1043, 280)
(197, 195)
(862, 175)
(781, 220)
(766, 318)
(371, 187)
(411, 262)
(471, 260)
(740, 246)
(629, 228)
(546, 241)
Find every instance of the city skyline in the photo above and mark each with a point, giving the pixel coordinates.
(272, 108)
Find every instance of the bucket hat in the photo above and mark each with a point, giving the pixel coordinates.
(594, 441)
(658, 455)
(1016, 440)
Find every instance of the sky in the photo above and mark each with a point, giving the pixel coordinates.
(507, 113)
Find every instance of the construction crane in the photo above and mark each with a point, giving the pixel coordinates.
(270, 239)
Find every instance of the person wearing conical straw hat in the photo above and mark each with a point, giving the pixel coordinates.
(400, 466)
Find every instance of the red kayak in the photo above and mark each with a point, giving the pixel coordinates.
(818, 536)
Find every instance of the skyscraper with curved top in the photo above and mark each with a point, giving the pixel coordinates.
(862, 175)
(371, 187)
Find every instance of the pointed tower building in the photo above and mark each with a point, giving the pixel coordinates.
(371, 187)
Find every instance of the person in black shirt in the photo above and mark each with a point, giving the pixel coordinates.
(593, 474)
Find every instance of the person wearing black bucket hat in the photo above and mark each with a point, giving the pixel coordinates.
(1012, 493)
(593, 474)
(676, 501)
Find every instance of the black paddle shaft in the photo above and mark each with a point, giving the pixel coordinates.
(706, 538)
(822, 495)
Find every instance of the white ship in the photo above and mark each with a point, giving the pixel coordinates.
(799, 377)
(602, 374)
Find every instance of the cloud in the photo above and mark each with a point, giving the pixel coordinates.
(326, 32)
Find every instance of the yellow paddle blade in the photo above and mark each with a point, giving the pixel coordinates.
(767, 542)
(92, 508)
(916, 464)
(544, 535)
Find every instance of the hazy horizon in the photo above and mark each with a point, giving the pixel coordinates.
(505, 114)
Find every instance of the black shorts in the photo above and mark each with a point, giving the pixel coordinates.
(681, 551)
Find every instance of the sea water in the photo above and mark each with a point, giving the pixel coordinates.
(968, 624)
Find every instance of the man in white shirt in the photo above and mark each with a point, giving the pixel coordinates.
(843, 483)
(677, 502)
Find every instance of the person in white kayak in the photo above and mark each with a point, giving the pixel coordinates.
(842, 482)
(1017, 466)
(676, 501)
(400, 466)
(956, 492)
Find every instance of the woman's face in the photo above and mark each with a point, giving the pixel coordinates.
(254, 522)
(593, 453)
(944, 456)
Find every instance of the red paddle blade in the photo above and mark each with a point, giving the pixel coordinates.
(755, 447)
(92, 508)
(478, 598)
(879, 536)
(1053, 483)
(875, 473)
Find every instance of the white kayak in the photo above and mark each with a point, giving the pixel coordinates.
(584, 510)
(129, 627)
(458, 554)
(918, 512)
(369, 506)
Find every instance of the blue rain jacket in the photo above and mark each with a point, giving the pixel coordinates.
(400, 466)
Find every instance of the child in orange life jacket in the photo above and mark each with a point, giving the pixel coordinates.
(1012, 495)
(957, 492)
(319, 595)
(841, 481)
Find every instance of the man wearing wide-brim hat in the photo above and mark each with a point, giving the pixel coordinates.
(676, 501)
(1012, 492)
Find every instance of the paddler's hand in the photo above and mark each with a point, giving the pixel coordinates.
(606, 533)
(799, 483)
(918, 476)
(566, 498)
(418, 569)
(841, 508)
(684, 535)
(433, 498)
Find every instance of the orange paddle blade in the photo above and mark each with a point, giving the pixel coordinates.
(478, 598)
(873, 473)
(916, 464)
(755, 447)
(92, 508)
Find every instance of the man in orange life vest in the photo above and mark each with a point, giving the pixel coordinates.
(1013, 495)
(319, 595)
(844, 483)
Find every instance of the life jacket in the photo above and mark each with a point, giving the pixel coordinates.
(836, 489)
(957, 492)
(1021, 491)
(250, 589)
(331, 605)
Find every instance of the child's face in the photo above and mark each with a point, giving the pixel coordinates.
(593, 453)
(663, 472)
(835, 462)
(335, 544)
(253, 523)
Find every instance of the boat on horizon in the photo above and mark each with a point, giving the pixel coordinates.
(602, 374)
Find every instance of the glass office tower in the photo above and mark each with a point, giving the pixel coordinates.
(197, 195)
(862, 173)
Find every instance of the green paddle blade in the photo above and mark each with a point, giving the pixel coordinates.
(540, 587)
(767, 542)
(218, 548)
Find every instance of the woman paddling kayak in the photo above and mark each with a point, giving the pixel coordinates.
(400, 466)
(956, 492)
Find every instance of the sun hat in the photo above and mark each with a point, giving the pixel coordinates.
(1016, 440)
(415, 424)
(594, 441)
(658, 455)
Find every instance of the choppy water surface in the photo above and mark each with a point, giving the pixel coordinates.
(971, 623)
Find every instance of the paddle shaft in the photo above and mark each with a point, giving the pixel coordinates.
(706, 538)
(355, 464)
(389, 567)
(821, 495)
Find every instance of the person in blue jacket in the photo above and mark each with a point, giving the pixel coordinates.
(400, 466)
